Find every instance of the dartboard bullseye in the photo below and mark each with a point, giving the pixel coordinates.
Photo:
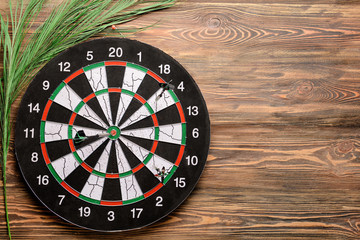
(112, 134)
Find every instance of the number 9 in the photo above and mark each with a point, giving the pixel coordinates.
(46, 85)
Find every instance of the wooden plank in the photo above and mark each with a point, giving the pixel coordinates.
(281, 83)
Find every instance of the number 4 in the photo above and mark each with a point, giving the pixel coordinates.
(181, 86)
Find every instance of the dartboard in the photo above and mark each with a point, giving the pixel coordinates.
(112, 134)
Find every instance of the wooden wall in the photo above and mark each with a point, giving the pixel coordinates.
(282, 83)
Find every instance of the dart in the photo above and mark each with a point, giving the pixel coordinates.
(81, 137)
(165, 86)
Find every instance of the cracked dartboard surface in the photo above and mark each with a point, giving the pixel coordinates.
(112, 134)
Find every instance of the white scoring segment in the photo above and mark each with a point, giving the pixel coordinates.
(130, 188)
(147, 133)
(89, 114)
(87, 150)
(171, 133)
(132, 79)
(93, 187)
(160, 103)
(55, 131)
(155, 164)
(65, 165)
(140, 114)
(101, 165)
(124, 102)
(123, 165)
(131, 82)
(157, 104)
(138, 151)
(98, 81)
(67, 98)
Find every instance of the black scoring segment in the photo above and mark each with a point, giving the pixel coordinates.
(115, 76)
(58, 113)
(148, 87)
(143, 123)
(133, 106)
(112, 190)
(114, 103)
(146, 179)
(142, 142)
(77, 178)
(168, 151)
(95, 106)
(83, 122)
(131, 158)
(112, 166)
(58, 149)
(94, 157)
(169, 115)
(81, 86)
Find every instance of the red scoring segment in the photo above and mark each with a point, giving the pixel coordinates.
(108, 203)
(152, 191)
(46, 110)
(155, 76)
(45, 154)
(115, 63)
(74, 75)
(69, 189)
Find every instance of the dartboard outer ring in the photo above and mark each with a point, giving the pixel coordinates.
(112, 135)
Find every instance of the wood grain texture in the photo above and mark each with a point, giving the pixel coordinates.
(282, 83)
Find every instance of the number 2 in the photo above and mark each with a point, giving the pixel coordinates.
(159, 200)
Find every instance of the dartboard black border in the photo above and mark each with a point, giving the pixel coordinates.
(48, 194)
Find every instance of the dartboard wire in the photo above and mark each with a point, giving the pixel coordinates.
(92, 72)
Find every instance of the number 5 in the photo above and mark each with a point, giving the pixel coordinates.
(89, 55)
